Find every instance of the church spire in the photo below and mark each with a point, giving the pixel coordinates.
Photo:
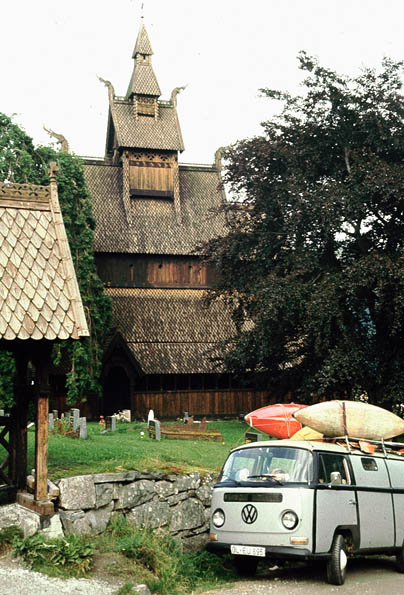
(143, 80)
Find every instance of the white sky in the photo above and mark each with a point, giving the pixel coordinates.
(225, 50)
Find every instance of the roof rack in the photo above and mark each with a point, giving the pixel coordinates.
(382, 444)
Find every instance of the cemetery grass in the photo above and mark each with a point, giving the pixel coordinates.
(130, 447)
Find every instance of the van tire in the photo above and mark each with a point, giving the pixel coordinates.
(246, 565)
(336, 563)
(400, 559)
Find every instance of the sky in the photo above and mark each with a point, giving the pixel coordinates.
(223, 50)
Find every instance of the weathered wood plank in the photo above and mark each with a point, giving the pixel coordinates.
(41, 449)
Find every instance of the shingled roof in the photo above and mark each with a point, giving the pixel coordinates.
(152, 226)
(171, 331)
(162, 133)
(39, 295)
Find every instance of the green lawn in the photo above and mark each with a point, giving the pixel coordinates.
(130, 447)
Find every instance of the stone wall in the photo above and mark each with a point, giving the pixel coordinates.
(180, 503)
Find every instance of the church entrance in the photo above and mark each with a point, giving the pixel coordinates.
(116, 391)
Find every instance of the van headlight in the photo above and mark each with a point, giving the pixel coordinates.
(289, 519)
(218, 518)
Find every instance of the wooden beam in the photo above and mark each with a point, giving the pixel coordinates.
(41, 449)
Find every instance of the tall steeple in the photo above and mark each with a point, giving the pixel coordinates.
(143, 81)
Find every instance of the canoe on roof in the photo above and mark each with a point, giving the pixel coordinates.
(276, 420)
(351, 418)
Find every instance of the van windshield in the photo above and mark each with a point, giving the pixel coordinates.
(273, 465)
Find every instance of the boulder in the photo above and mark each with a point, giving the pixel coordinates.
(134, 494)
(188, 514)
(77, 493)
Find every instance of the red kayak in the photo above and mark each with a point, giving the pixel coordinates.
(276, 420)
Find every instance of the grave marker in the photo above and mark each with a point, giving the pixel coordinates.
(110, 423)
(51, 422)
(55, 414)
(76, 415)
(83, 428)
(154, 429)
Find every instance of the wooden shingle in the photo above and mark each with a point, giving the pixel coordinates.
(39, 295)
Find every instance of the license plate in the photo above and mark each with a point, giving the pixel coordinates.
(247, 550)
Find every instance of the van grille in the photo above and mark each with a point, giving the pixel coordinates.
(246, 497)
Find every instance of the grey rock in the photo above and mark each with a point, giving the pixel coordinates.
(9, 515)
(204, 494)
(104, 493)
(116, 477)
(92, 522)
(187, 482)
(141, 589)
(99, 519)
(164, 489)
(77, 492)
(29, 521)
(73, 521)
(135, 494)
(54, 529)
(172, 500)
(188, 514)
(151, 514)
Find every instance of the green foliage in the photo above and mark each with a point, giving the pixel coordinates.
(166, 566)
(65, 428)
(21, 162)
(7, 536)
(7, 371)
(70, 556)
(313, 265)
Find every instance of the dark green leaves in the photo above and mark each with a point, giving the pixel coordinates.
(313, 263)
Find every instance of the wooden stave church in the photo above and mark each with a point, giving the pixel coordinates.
(151, 214)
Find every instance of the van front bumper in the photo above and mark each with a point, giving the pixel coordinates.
(279, 553)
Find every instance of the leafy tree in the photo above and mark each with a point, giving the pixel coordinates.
(21, 162)
(313, 264)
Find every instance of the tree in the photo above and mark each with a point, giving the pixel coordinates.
(21, 162)
(313, 264)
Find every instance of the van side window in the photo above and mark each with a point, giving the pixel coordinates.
(328, 463)
(369, 464)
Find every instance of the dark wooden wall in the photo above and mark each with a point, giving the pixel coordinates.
(172, 404)
(126, 270)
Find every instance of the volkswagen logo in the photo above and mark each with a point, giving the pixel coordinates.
(249, 514)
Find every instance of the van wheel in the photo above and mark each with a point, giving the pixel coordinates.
(400, 560)
(246, 565)
(336, 563)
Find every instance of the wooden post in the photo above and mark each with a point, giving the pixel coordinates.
(41, 449)
(42, 362)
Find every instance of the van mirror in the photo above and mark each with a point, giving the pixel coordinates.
(335, 478)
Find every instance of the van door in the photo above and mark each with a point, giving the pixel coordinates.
(335, 504)
(375, 502)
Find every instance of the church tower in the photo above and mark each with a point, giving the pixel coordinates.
(151, 214)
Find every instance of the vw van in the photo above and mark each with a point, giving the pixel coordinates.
(309, 500)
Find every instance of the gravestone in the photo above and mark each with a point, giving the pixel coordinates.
(126, 414)
(1, 412)
(83, 428)
(55, 414)
(186, 416)
(76, 416)
(51, 422)
(154, 429)
(110, 423)
(68, 416)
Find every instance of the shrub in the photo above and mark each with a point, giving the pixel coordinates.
(71, 556)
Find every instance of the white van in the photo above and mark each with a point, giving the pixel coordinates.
(308, 500)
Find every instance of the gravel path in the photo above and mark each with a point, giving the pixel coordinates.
(16, 580)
